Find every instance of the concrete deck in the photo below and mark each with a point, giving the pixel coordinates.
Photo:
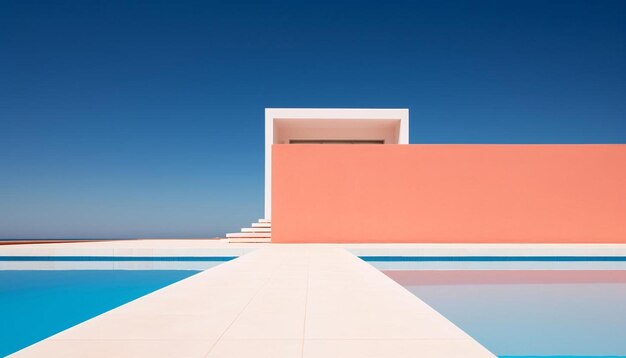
(277, 301)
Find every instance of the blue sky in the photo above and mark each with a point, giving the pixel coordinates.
(145, 118)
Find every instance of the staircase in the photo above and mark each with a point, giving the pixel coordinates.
(260, 231)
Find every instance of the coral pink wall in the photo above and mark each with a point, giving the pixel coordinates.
(449, 193)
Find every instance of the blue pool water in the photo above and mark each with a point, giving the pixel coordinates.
(530, 313)
(37, 304)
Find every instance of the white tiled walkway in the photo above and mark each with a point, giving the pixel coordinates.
(278, 301)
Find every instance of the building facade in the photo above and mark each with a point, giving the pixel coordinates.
(351, 176)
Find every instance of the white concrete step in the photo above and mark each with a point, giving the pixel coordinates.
(246, 235)
(261, 224)
(258, 232)
(256, 229)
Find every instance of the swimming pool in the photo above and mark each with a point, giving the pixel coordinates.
(525, 308)
(36, 304)
(43, 295)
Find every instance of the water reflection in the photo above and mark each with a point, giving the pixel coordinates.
(530, 312)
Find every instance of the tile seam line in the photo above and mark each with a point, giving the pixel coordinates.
(130, 340)
(306, 301)
(262, 339)
(219, 338)
(392, 339)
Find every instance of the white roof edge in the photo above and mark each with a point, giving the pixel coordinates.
(399, 110)
(334, 113)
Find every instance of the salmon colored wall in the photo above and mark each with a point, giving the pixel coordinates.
(449, 193)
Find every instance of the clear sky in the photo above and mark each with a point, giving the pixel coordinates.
(145, 118)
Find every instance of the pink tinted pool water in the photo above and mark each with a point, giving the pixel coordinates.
(530, 313)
